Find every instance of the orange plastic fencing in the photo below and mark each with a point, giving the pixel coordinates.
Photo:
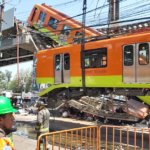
(104, 137)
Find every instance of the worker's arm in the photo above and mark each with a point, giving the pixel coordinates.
(39, 121)
(40, 117)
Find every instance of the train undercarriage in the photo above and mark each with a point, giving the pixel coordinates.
(103, 104)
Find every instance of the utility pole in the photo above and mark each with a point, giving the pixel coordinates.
(18, 52)
(113, 14)
(1, 18)
(114, 10)
(83, 45)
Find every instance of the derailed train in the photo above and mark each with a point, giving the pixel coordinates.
(114, 66)
(58, 26)
(97, 73)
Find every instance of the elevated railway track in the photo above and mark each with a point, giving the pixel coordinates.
(30, 41)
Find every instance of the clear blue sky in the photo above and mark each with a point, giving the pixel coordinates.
(128, 9)
(23, 7)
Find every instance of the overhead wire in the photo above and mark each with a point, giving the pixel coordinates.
(101, 9)
(90, 4)
(81, 14)
(124, 21)
(104, 19)
(66, 3)
(90, 12)
(131, 14)
(100, 19)
(106, 24)
(96, 7)
(78, 0)
(128, 6)
(57, 5)
(137, 11)
(123, 10)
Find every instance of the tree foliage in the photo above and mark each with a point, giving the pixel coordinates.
(5, 79)
(2, 81)
(8, 75)
(18, 83)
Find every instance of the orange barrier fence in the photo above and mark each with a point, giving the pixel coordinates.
(123, 138)
(85, 138)
(104, 137)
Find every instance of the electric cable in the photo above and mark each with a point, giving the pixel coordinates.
(96, 7)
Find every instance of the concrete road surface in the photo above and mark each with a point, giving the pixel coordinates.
(22, 143)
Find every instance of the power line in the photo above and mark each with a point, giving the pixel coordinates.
(61, 4)
(94, 25)
(78, 0)
(96, 7)
(104, 19)
(70, 2)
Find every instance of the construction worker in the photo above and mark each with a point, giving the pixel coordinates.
(43, 115)
(6, 123)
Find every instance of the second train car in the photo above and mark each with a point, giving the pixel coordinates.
(60, 27)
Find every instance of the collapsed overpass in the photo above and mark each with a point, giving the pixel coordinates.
(27, 41)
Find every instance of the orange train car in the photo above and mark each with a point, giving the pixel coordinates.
(119, 63)
(119, 66)
(58, 26)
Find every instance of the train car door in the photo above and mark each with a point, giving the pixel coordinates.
(136, 63)
(128, 64)
(62, 68)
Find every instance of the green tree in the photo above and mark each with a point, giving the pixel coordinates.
(2, 81)
(8, 75)
(27, 81)
(24, 83)
(14, 86)
(5, 78)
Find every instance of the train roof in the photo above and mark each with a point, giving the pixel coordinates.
(105, 40)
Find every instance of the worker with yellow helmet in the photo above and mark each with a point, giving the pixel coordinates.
(6, 123)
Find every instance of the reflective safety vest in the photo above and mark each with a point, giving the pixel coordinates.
(6, 144)
(40, 128)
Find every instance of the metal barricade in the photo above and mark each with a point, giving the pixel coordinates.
(105, 137)
(85, 138)
(123, 138)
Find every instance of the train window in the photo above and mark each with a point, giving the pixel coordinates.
(128, 55)
(96, 58)
(66, 30)
(42, 16)
(143, 54)
(66, 61)
(53, 23)
(34, 12)
(57, 62)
